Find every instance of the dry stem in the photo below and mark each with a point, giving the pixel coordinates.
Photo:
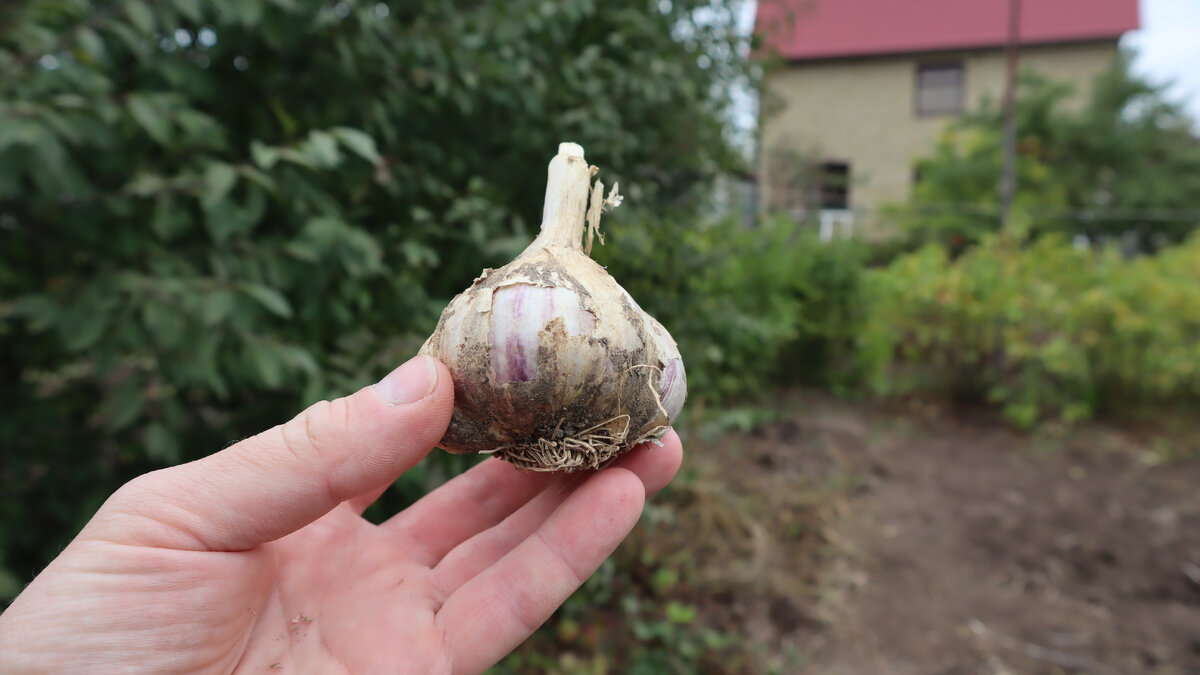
(599, 205)
(567, 186)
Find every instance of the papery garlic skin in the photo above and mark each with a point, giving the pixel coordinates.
(555, 366)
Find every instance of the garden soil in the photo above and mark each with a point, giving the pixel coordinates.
(915, 540)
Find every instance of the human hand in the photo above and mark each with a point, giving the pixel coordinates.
(256, 558)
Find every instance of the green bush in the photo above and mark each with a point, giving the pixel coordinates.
(1043, 331)
(215, 213)
(741, 300)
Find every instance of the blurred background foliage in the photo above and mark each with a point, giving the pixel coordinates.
(215, 213)
(1046, 331)
(742, 301)
(1124, 165)
(1086, 301)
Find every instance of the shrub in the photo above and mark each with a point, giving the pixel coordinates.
(1044, 331)
(740, 299)
(214, 213)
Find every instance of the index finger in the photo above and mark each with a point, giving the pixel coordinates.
(487, 494)
(491, 614)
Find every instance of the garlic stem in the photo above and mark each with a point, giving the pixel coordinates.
(566, 201)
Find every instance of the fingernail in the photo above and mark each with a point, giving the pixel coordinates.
(410, 382)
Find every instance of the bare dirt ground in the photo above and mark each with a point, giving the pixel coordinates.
(857, 539)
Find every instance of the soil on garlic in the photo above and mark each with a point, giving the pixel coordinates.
(477, 420)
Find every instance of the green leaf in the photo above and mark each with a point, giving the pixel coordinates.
(270, 299)
(259, 178)
(123, 404)
(71, 101)
(20, 132)
(40, 311)
(64, 127)
(150, 117)
(216, 307)
(190, 9)
(161, 444)
(300, 359)
(248, 14)
(219, 179)
(35, 39)
(52, 166)
(359, 143)
(224, 219)
(680, 613)
(170, 218)
(200, 129)
(294, 156)
(164, 324)
(263, 155)
(418, 254)
(664, 579)
(303, 251)
(129, 37)
(140, 15)
(286, 121)
(145, 185)
(322, 148)
(84, 332)
(91, 43)
(264, 362)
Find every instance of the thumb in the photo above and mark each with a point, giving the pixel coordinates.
(275, 483)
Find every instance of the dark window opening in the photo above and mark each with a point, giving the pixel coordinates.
(835, 185)
(940, 89)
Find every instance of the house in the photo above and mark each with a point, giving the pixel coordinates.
(866, 87)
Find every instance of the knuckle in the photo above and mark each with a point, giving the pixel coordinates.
(147, 486)
(304, 436)
(139, 495)
(318, 431)
(136, 487)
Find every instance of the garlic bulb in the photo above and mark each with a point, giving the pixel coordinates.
(555, 366)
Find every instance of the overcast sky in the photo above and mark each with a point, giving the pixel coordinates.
(1168, 48)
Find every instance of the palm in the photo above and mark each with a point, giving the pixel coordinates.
(347, 597)
(256, 558)
(449, 585)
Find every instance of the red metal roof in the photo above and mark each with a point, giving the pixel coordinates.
(843, 28)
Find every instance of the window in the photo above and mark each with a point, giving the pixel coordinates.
(835, 185)
(940, 89)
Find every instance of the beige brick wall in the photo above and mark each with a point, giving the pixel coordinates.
(862, 111)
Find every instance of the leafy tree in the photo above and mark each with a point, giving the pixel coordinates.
(1124, 164)
(212, 213)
